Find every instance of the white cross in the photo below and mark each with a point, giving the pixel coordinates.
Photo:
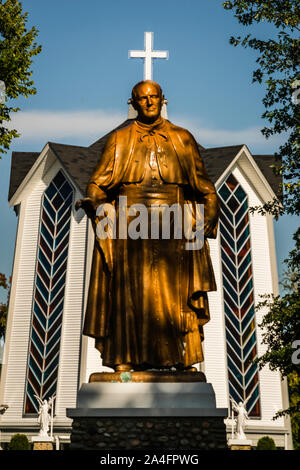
(148, 54)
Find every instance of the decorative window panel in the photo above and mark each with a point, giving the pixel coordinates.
(238, 296)
(49, 289)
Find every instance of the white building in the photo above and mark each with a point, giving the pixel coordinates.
(45, 352)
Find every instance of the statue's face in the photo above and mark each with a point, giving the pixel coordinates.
(148, 102)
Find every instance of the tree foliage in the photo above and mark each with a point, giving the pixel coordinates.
(266, 443)
(278, 68)
(19, 442)
(17, 48)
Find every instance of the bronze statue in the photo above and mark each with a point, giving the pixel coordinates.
(147, 301)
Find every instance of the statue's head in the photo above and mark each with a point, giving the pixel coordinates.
(147, 99)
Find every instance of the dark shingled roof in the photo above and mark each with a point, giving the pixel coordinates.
(81, 161)
(216, 160)
(78, 161)
(21, 162)
(264, 163)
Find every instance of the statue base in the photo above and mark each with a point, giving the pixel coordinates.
(240, 444)
(148, 376)
(147, 416)
(42, 442)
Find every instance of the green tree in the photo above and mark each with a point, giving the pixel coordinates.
(266, 443)
(19, 442)
(17, 48)
(294, 393)
(278, 69)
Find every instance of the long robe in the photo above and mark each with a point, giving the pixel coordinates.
(147, 300)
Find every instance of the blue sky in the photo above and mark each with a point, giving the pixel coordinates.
(83, 78)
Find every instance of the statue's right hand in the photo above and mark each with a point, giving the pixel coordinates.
(87, 204)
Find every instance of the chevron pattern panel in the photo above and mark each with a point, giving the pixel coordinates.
(48, 300)
(238, 296)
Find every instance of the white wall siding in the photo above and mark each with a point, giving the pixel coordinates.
(214, 338)
(19, 317)
(20, 309)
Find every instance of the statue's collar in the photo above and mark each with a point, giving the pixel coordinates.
(155, 126)
(147, 130)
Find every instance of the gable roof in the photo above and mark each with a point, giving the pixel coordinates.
(80, 161)
(217, 159)
(264, 163)
(21, 162)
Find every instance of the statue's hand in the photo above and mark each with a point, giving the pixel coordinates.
(209, 228)
(88, 205)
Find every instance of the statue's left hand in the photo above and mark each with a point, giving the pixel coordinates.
(87, 204)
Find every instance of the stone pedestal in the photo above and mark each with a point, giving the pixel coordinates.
(240, 444)
(42, 442)
(147, 416)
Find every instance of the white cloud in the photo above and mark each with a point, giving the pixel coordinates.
(210, 137)
(55, 125)
(85, 126)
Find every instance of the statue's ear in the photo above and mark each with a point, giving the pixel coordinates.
(133, 103)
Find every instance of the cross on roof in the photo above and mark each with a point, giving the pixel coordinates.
(148, 54)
